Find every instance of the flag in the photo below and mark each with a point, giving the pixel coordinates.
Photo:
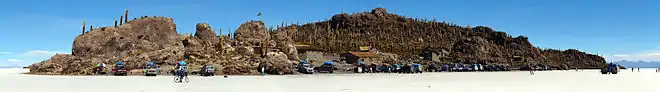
(259, 14)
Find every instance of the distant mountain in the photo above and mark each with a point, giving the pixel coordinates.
(639, 64)
(11, 66)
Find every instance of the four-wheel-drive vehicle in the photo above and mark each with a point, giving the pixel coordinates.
(120, 70)
(417, 68)
(150, 71)
(385, 68)
(327, 67)
(406, 68)
(433, 68)
(305, 68)
(207, 71)
(396, 68)
(458, 68)
(610, 69)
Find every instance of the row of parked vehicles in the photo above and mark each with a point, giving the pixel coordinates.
(120, 69)
(419, 68)
(307, 68)
(329, 67)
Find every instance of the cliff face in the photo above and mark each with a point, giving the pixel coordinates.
(408, 37)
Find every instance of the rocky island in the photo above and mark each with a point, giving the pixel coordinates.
(377, 36)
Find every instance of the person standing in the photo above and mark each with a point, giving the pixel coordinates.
(531, 69)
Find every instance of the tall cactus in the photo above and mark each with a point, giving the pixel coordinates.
(83, 27)
(121, 18)
(126, 16)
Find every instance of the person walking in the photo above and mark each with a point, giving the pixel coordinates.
(632, 69)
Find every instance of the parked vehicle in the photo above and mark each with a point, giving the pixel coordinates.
(459, 68)
(385, 68)
(119, 69)
(305, 68)
(327, 67)
(610, 69)
(396, 68)
(151, 69)
(417, 68)
(406, 68)
(207, 70)
(446, 67)
(433, 68)
(469, 67)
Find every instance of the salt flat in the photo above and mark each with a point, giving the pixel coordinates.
(11, 80)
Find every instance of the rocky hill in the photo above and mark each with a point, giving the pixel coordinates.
(155, 39)
(407, 37)
(400, 39)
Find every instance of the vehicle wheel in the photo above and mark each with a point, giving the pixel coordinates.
(331, 71)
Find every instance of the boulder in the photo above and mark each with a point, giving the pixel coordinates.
(206, 34)
(253, 33)
(278, 63)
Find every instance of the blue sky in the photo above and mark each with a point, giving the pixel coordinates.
(33, 30)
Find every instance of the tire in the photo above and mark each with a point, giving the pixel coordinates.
(177, 79)
(186, 79)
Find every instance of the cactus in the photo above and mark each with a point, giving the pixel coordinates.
(126, 16)
(115, 23)
(121, 18)
(83, 27)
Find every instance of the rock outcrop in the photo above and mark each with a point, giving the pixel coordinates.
(206, 34)
(135, 43)
(155, 39)
(394, 38)
(252, 33)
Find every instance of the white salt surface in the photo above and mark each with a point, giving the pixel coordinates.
(11, 80)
